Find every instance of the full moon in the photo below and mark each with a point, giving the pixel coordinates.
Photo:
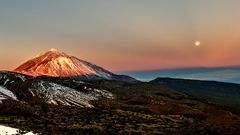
(197, 43)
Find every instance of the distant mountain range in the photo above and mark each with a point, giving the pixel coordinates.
(222, 74)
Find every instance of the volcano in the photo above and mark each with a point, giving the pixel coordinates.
(59, 64)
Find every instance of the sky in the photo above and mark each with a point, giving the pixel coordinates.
(123, 35)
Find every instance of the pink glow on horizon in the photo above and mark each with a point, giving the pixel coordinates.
(123, 35)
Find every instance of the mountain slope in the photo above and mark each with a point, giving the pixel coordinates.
(51, 90)
(227, 94)
(53, 93)
(59, 64)
(55, 63)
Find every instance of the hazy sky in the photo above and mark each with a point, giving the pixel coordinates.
(122, 35)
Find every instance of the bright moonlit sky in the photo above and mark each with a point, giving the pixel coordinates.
(123, 35)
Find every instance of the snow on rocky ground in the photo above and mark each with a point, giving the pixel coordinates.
(5, 94)
(50, 92)
(5, 130)
(22, 77)
(56, 94)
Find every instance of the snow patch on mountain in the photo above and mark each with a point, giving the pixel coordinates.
(6, 94)
(57, 94)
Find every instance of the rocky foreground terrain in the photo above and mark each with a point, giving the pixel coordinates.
(140, 108)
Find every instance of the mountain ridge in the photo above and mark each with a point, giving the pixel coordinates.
(226, 94)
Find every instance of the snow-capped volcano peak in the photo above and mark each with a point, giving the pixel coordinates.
(56, 63)
(54, 50)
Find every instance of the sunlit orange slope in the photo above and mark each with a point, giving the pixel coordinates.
(55, 63)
